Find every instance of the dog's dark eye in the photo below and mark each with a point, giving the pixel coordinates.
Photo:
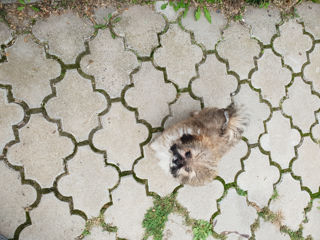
(188, 154)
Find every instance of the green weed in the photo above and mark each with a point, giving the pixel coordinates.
(201, 230)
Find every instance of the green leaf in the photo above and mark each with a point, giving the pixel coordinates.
(197, 14)
(34, 8)
(20, 8)
(207, 14)
(186, 10)
(99, 26)
(164, 6)
(22, 2)
(117, 19)
(113, 35)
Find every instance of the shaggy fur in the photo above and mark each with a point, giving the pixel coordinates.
(191, 149)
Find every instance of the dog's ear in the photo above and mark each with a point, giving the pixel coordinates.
(187, 138)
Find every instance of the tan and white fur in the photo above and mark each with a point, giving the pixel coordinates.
(190, 149)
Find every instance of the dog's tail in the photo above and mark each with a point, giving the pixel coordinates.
(237, 120)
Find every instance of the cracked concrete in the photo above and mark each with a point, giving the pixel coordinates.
(75, 127)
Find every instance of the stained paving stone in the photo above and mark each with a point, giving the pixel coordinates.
(101, 15)
(28, 71)
(150, 94)
(258, 178)
(240, 52)
(13, 115)
(307, 165)
(65, 34)
(311, 227)
(301, 104)
(5, 33)
(15, 197)
(40, 151)
(262, 22)
(312, 71)
(176, 229)
(62, 224)
(271, 77)
(182, 108)
(279, 131)
(97, 233)
(130, 203)
(201, 202)
(140, 33)
(169, 11)
(120, 137)
(235, 214)
(178, 55)
(205, 33)
(89, 193)
(110, 66)
(292, 44)
(214, 84)
(230, 163)
(257, 111)
(268, 230)
(308, 12)
(157, 173)
(290, 203)
(76, 105)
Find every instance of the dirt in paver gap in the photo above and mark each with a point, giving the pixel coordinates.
(20, 16)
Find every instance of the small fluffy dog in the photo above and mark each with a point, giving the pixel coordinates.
(191, 149)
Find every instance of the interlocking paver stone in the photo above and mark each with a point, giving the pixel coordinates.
(312, 70)
(235, 214)
(182, 108)
(101, 15)
(5, 33)
(65, 34)
(97, 233)
(278, 132)
(40, 151)
(88, 192)
(268, 230)
(230, 163)
(292, 44)
(28, 71)
(290, 202)
(214, 84)
(315, 131)
(140, 33)
(178, 55)
(175, 229)
(312, 226)
(150, 94)
(169, 12)
(271, 78)
(301, 104)
(130, 203)
(257, 111)
(238, 49)
(13, 115)
(262, 22)
(76, 104)
(110, 66)
(62, 225)
(159, 179)
(205, 33)
(307, 165)
(201, 201)
(308, 12)
(258, 178)
(120, 136)
(14, 198)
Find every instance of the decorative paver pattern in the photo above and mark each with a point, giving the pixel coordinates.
(80, 104)
(28, 71)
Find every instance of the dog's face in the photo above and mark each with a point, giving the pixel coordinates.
(192, 160)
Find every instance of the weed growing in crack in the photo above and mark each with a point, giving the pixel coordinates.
(275, 195)
(156, 217)
(23, 4)
(201, 230)
(270, 216)
(297, 235)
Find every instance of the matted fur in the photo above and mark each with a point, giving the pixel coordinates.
(191, 149)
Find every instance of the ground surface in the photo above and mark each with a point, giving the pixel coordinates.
(79, 105)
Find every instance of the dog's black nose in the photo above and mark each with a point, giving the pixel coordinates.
(173, 148)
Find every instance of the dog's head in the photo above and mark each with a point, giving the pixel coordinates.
(193, 160)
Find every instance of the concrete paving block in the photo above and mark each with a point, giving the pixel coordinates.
(169, 12)
(267, 231)
(176, 229)
(5, 33)
(311, 72)
(308, 12)
(97, 233)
